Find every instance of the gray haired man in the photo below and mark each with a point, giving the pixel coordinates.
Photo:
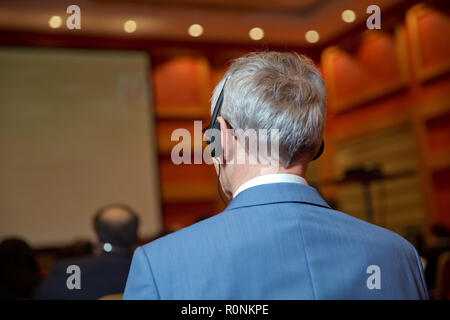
(277, 238)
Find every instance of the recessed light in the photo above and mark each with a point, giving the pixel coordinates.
(312, 36)
(55, 22)
(130, 26)
(195, 30)
(256, 33)
(348, 16)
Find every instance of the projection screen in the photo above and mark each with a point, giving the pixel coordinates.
(76, 133)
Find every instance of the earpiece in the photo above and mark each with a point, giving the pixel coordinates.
(211, 140)
(319, 153)
(210, 137)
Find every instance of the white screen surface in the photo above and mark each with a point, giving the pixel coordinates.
(76, 133)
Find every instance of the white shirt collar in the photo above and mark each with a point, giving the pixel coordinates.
(270, 178)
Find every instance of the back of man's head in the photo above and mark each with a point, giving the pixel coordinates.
(117, 225)
(277, 90)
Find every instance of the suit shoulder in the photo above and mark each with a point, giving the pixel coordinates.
(375, 234)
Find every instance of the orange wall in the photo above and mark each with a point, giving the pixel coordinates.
(382, 79)
(375, 80)
(394, 77)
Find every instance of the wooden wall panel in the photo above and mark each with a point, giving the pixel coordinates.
(181, 214)
(186, 172)
(165, 129)
(374, 84)
(182, 89)
(438, 129)
(180, 86)
(374, 68)
(356, 110)
(429, 31)
(441, 181)
(397, 203)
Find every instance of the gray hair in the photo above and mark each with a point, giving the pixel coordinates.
(276, 90)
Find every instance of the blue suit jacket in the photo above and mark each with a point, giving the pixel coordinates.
(277, 241)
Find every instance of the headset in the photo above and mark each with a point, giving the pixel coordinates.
(213, 124)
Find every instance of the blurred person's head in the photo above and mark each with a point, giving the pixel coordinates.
(270, 90)
(440, 231)
(441, 235)
(19, 273)
(116, 225)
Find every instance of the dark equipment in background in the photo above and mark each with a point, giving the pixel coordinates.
(366, 175)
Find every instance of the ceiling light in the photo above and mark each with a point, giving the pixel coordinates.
(130, 26)
(55, 22)
(195, 30)
(348, 16)
(312, 36)
(256, 33)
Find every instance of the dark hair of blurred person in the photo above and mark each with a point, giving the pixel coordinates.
(19, 273)
(105, 272)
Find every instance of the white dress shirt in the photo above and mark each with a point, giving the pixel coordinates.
(270, 178)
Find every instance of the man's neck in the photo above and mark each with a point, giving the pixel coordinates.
(269, 179)
(250, 172)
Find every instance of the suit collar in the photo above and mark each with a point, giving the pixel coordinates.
(270, 178)
(277, 193)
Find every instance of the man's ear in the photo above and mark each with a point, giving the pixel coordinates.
(226, 139)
